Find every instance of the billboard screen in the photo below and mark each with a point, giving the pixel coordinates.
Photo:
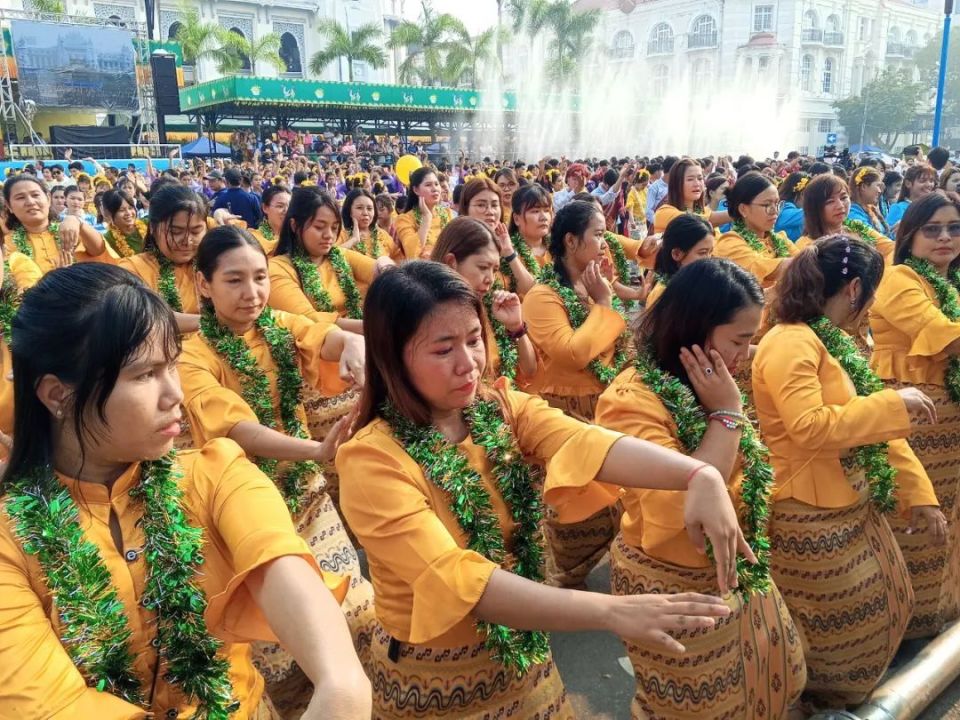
(75, 66)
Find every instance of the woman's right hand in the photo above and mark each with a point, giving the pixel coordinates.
(595, 285)
(711, 381)
(425, 211)
(649, 619)
(918, 405)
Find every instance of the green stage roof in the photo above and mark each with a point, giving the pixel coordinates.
(253, 91)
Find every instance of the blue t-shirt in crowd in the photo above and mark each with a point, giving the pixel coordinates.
(790, 221)
(896, 212)
(241, 203)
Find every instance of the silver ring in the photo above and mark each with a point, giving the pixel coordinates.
(708, 371)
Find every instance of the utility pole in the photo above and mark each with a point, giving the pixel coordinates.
(942, 79)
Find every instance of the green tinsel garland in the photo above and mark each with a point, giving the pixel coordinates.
(95, 631)
(522, 249)
(620, 264)
(447, 467)
(506, 347)
(167, 281)
(780, 243)
(946, 291)
(255, 390)
(22, 243)
(873, 459)
(577, 314)
(315, 291)
(440, 211)
(9, 302)
(127, 245)
(691, 422)
(266, 231)
(361, 246)
(862, 230)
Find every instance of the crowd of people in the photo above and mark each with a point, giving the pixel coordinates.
(738, 380)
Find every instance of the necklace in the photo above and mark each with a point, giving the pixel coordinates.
(619, 263)
(95, 631)
(361, 246)
(255, 390)
(127, 245)
(441, 212)
(22, 243)
(577, 314)
(9, 302)
(447, 467)
(872, 459)
(691, 422)
(525, 254)
(862, 230)
(506, 347)
(167, 281)
(266, 231)
(315, 291)
(946, 291)
(781, 248)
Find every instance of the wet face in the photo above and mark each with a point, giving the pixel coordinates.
(938, 240)
(321, 232)
(239, 287)
(362, 212)
(485, 207)
(732, 340)
(30, 204)
(179, 237)
(446, 357)
(479, 269)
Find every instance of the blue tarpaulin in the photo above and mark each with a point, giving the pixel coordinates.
(204, 147)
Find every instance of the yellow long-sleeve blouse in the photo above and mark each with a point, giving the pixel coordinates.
(763, 265)
(885, 246)
(425, 580)
(655, 294)
(652, 519)
(245, 526)
(407, 234)
(146, 267)
(269, 246)
(212, 393)
(810, 415)
(566, 352)
(46, 251)
(665, 213)
(909, 331)
(25, 274)
(387, 246)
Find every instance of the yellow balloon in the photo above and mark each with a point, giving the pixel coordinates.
(406, 164)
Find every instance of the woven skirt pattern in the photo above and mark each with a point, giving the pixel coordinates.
(322, 414)
(574, 549)
(935, 569)
(750, 666)
(320, 525)
(461, 683)
(847, 588)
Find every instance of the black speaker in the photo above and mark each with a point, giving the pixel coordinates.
(165, 89)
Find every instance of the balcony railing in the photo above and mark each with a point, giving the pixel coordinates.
(702, 40)
(812, 35)
(833, 39)
(895, 49)
(660, 47)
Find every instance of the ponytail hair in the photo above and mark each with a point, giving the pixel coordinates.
(572, 219)
(821, 271)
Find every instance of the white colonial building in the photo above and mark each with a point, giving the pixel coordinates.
(816, 51)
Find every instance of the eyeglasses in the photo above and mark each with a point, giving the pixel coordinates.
(770, 208)
(932, 231)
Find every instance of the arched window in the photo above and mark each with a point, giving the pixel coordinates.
(702, 75)
(116, 21)
(910, 40)
(661, 80)
(703, 32)
(893, 34)
(809, 20)
(833, 23)
(828, 76)
(661, 39)
(290, 53)
(174, 29)
(806, 72)
(245, 66)
(623, 46)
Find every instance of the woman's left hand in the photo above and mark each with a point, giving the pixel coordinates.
(930, 516)
(508, 310)
(353, 359)
(606, 268)
(503, 240)
(383, 263)
(651, 243)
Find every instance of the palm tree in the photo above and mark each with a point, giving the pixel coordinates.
(46, 7)
(469, 56)
(570, 29)
(427, 41)
(356, 45)
(239, 53)
(197, 39)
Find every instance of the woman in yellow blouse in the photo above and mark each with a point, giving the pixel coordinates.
(431, 435)
(685, 193)
(34, 232)
(242, 377)
(688, 238)
(125, 233)
(529, 231)
(637, 199)
(423, 217)
(17, 274)
(578, 327)
(165, 622)
(916, 330)
(752, 243)
(178, 221)
(507, 181)
(834, 436)
(826, 210)
(275, 201)
(681, 395)
(468, 246)
(360, 231)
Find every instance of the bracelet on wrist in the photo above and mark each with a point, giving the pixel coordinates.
(693, 473)
(517, 334)
(728, 423)
(510, 258)
(736, 414)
